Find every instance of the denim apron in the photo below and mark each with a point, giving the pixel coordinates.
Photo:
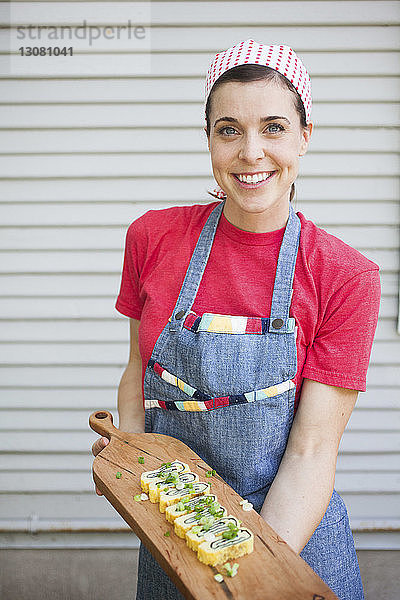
(223, 385)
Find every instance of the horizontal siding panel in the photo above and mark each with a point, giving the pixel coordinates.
(195, 39)
(89, 398)
(61, 285)
(60, 506)
(104, 375)
(97, 308)
(74, 462)
(371, 87)
(184, 190)
(95, 398)
(113, 238)
(122, 214)
(78, 482)
(114, 353)
(77, 420)
(73, 528)
(180, 115)
(374, 481)
(364, 463)
(83, 238)
(173, 64)
(143, 140)
(171, 13)
(62, 441)
(115, 329)
(386, 353)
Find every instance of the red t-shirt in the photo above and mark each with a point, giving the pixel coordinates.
(335, 300)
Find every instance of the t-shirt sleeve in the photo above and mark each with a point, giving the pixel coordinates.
(341, 349)
(128, 301)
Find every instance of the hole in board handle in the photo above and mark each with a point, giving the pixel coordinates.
(101, 415)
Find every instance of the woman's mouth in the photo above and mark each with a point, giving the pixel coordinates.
(253, 181)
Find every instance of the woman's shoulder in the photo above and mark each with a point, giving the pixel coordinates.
(328, 253)
(172, 219)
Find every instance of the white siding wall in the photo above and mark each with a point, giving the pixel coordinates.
(86, 150)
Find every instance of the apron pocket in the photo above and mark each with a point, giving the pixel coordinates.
(199, 401)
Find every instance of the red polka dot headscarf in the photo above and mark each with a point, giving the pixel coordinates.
(280, 58)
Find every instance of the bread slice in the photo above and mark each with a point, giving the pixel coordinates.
(156, 487)
(195, 536)
(175, 510)
(172, 495)
(158, 474)
(221, 550)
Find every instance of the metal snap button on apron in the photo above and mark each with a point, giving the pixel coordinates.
(277, 323)
(180, 314)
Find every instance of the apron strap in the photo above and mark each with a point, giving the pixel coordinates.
(283, 286)
(194, 273)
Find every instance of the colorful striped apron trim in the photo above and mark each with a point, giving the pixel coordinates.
(201, 401)
(215, 323)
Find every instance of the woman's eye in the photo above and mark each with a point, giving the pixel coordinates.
(274, 128)
(224, 131)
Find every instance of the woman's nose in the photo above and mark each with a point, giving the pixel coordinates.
(251, 148)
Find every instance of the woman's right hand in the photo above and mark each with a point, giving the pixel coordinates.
(97, 447)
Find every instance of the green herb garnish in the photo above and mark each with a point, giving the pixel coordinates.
(207, 522)
(167, 533)
(172, 477)
(141, 460)
(231, 570)
(118, 475)
(196, 529)
(231, 533)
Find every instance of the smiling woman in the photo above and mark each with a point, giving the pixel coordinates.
(252, 150)
(256, 326)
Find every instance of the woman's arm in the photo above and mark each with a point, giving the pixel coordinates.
(130, 405)
(130, 396)
(302, 488)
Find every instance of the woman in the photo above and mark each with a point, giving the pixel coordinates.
(251, 328)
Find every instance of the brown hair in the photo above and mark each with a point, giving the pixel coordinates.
(252, 72)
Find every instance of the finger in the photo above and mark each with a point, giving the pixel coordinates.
(98, 492)
(99, 445)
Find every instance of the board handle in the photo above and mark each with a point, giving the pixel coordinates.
(101, 422)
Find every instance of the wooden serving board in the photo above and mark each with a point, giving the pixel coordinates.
(272, 571)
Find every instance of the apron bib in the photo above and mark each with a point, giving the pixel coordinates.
(224, 386)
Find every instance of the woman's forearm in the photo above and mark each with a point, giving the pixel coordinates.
(130, 399)
(299, 495)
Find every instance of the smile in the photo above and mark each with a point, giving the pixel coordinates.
(253, 181)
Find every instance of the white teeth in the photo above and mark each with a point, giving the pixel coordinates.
(253, 178)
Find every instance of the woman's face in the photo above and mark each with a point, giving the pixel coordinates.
(255, 129)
